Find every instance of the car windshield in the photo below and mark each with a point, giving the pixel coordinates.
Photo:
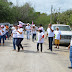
(63, 28)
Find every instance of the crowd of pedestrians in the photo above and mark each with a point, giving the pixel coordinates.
(4, 33)
(37, 34)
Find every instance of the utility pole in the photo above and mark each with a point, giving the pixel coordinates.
(16, 2)
(16, 9)
(59, 16)
(51, 14)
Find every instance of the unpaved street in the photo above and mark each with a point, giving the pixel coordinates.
(31, 61)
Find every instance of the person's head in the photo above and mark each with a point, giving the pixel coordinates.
(40, 30)
(33, 26)
(28, 24)
(40, 25)
(13, 25)
(5, 25)
(2, 26)
(16, 27)
(12, 28)
(57, 28)
(20, 26)
(49, 25)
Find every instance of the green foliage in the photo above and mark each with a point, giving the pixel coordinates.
(27, 14)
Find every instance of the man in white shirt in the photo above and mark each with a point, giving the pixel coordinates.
(50, 35)
(3, 32)
(28, 28)
(57, 37)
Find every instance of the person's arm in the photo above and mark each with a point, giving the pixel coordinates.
(51, 29)
(41, 37)
(69, 46)
(0, 33)
(20, 32)
(60, 36)
(11, 34)
(2, 30)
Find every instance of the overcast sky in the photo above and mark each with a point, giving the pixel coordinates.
(44, 6)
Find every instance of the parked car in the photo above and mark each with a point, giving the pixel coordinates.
(66, 33)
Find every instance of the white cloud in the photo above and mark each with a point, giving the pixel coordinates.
(45, 5)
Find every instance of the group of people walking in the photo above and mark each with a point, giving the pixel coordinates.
(37, 34)
(18, 35)
(4, 33)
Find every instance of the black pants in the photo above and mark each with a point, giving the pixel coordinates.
(50, 42)
(38, 46)
(18, 43)
(33, 37)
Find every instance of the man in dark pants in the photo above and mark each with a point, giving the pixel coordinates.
(50, 35)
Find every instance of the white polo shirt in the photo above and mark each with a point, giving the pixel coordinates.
(50, 33)
(14, 33)
(34, 31)
(28, 28)
(39, 37)
(3, 33)
(57, 34)
(20, 35)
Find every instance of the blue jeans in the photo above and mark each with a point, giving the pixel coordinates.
(71, 55)
(14, 43)
(50, 42)
(7, 35)
(71, 64)
(28, 34)
(2, 37)
(33, 37)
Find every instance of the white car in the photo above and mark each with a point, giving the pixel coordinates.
(66, 33)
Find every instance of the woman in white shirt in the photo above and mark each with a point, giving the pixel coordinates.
(33, 33)
(14, 35)
(40, 39)
(2, 34)
(20, 36)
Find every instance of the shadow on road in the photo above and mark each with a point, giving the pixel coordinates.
(28, 51)
(51, 53)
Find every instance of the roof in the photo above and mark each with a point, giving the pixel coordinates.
(59, 25)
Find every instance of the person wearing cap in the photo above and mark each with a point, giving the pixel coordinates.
(33, 33)
(70, 48)
(14, 35)
(50, 34)
(20, 37)
(2, 34)
(40, 39)
(28, 28)
(57, 37)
